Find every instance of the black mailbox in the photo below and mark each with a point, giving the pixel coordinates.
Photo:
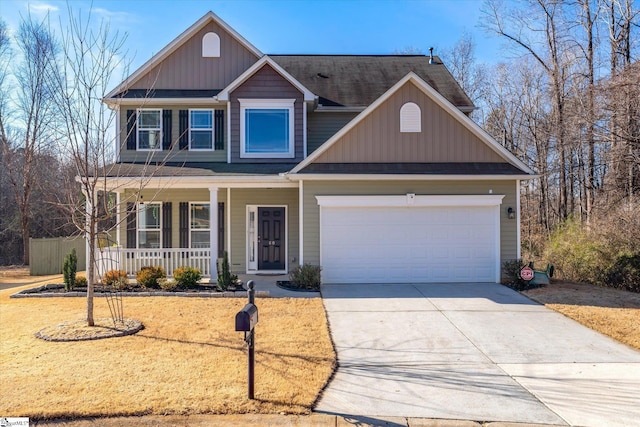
(247, 318)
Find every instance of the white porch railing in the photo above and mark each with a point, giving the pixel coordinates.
(132, 260)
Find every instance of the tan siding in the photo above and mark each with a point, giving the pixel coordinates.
(322, 126)
(185, 68)
(266, 84)
(508, 227)
(240, 198)
(377, 139)
(175, 155)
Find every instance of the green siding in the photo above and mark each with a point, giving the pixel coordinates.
(322, 126)
(508, 227)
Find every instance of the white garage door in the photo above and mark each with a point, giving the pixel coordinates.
(410, 243)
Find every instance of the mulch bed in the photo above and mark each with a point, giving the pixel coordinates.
(287, 285)
(57, 290)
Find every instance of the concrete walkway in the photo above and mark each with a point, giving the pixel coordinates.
(474, 352)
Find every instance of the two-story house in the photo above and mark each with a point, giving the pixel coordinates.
(365, 165)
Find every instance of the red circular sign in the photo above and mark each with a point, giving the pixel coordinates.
(526, 273)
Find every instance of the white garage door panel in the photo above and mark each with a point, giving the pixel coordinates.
(409, 245)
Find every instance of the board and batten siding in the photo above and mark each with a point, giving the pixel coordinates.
(266, 83)
(322, 126)
(377, 138)
(508, 227)
(240, 198)
(175, 154)
(185, 68)
(175, 196)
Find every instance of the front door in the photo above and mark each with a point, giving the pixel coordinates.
(271, 238)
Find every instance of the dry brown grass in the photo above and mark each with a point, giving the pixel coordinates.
(613, 312)
(187, 360)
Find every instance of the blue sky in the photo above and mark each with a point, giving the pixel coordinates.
(289, 26)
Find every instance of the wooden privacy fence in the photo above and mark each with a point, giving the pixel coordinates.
(47, 255)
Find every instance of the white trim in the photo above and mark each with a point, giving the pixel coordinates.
(169, 182)
(213, 233)
(410, 118)
(498, 268)
(211, 101)
(211, 45)
(438, 99)
(267, 104)
(403, 177)
(118, 217)
(213, 129)
(304, 129)
(176, 43)
(301, 223)
(518, 226)
(308, 96)
(199, 229)
(255, 270)
(227, 220)
(228, 146)
(414, 201)
(161, 136)
(138, 229)
(117, 141)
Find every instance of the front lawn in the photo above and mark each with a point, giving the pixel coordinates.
(187, 360)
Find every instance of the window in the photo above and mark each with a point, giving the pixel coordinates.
(266, 128)
(149, 225)
(211, 45)
(410, 120)
(200, 129)
(199, 226)
(149, 129)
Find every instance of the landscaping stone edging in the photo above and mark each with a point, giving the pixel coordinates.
(38, 293)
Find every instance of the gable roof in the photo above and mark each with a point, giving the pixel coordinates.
(176, 43)
(358, 80)
(441, 101)
(224, 94)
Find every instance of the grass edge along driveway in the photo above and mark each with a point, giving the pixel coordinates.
(187, 360)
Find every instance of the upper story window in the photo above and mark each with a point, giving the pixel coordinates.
(410, 118)
(149, 225)
(200, 129)
(211, 45)
(149, 134)
(199, 226)
(267, 128)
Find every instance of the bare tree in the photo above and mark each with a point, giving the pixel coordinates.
(31, 133)
(91, 53)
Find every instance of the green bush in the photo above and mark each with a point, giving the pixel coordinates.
(225, 278)
(116, 279)
(81, 282)
(148, 276)
(511, 270)
(624, 273)
(306, 276)
(187, 277)
(69, 269)
(167, 284)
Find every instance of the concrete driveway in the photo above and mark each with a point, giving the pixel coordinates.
(473, 352)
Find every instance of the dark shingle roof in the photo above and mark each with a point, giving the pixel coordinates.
(169, 93)
(358, 80)
(415, 168)
(194, 169)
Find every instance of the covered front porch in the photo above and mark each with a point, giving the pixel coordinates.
(172, 224)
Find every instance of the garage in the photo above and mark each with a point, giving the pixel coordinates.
(410, 238)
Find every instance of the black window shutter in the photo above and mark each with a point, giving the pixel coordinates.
(166, 129)
(166, 225)
(220, 230)
(131, 225)
(131, 129)
(219, 129)
(184, 224)
(184, 129)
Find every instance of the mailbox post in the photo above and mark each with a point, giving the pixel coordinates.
(246, 320)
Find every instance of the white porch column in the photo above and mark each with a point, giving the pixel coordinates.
(213, 233)
(118, 217)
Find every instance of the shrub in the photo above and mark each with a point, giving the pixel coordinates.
(115, 278)
(148, 276)
(306, 276)
(225, 278)
(69, 269)
(167, 284)
(624, 273)
(187, 277)
(81, 282)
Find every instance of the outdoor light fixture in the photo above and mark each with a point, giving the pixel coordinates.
(511, 213)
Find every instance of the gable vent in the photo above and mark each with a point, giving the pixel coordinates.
(410, 118)
(211, 45)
